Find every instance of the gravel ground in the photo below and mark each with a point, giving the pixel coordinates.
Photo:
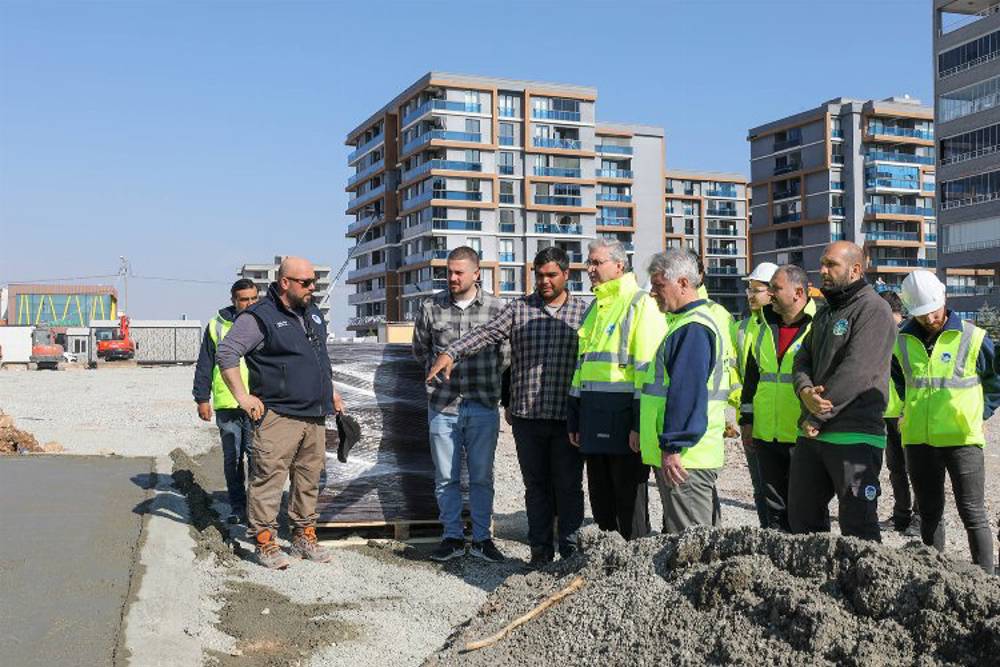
(399, 608)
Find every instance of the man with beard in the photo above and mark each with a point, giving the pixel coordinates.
(841, 375)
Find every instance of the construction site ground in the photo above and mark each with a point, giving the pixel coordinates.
(124, 530)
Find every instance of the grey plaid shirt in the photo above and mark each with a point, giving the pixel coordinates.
(439, 324)
(543, 347)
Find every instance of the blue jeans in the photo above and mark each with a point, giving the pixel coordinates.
(473, 430)
(236, 432)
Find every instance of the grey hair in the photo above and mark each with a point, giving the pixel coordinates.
(616, 251)
(674, 264)
(796, 275)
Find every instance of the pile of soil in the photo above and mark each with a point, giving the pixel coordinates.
(742, 596)
(15, 441)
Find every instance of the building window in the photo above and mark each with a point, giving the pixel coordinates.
(472, 125)
(969, 100)
(970, 190)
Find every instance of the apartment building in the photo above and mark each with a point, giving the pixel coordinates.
(263, 275)
(861, 170)
(707, 212)
(967, 114)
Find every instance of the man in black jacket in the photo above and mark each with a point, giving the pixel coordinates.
(841, 375)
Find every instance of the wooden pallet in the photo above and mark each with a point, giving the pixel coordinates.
(360, 532)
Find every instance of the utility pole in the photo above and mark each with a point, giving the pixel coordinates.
(123, 271)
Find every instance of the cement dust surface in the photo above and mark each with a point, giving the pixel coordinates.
(743, 596)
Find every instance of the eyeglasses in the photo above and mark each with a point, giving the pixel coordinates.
(305, 282)
(597, 262)
(760, 290)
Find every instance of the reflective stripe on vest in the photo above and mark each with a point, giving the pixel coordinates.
(709, 451)
(776, 408)
(943, 405)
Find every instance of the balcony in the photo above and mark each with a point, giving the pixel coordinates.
(614, 222)
(505, 169)
(559, 172)
(575, 256)
(969, 155)
(838, 210)
(508, 198)
(788, 217)
(363, 223)
(930, 238)
(613, 149)
(786, 194)
(366, 197)
(836, 185)
(722, 250)
(721, 213)
(837, 236)
(364, 148)
(369, 270)
(366, 172)
(365, 320)
(458, 195)
(446, 135)
(725, 192)
(365, 297)
(891, 184)
(720, 231)
(906, 158)
(879, 235)
(968, 290)
(441, 105)
(722, 271)
(506, 257)
(898, 209)
(558, 200)
(837, 134)
(628, 245)
(787, 168)
(895, 131)
(552, 114)
(508, 228)
(613, 196)
(552, 142)
(458, 225)
(787, 143)
(506, 141)
(613, 173)
(904, 262)
(451, 165)
(506, 286)
(542, 228)
(574, 285)
(507, 112)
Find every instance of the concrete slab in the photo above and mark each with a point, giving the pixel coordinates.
(71, 529)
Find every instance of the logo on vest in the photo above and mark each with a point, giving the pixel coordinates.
(946, 357)
(840, 328)
(611, 329)
(317, 319)
(280, 323)
(871, 492)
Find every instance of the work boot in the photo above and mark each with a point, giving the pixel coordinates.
(269, 554)
(304, 545)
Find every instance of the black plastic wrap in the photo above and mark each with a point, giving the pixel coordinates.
(389, 475)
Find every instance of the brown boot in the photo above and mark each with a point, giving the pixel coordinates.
(304, 545)
(269, 554)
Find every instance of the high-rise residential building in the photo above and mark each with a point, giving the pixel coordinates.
(707, 212)
(263, 275)
(504, 166)
(860, 170)
(967, 113)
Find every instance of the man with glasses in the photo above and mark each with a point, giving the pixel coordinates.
(234, 424)
(283, 339)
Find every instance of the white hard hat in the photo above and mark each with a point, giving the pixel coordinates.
(762, 272)
(922, 293)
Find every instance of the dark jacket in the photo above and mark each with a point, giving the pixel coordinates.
(848, 352)
(290, 371)
(202, 390)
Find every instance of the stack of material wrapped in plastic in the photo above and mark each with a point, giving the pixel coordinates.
(389, 475)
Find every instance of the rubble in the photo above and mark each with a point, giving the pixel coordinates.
(15, 441)
(742, 596)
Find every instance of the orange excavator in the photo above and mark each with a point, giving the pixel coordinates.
(115, 344)
(45, 352)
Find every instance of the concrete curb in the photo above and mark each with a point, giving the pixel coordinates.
(162, 624)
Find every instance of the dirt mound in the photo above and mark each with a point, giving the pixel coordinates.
(15, 441)
(743, 596)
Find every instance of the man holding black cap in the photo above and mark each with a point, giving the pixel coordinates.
(234, 424)
(283, 339)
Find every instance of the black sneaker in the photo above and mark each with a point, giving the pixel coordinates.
(487, 551)
(567, 551)
(449, 548)
(540, 558)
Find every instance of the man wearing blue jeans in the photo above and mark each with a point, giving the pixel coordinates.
(462, 410)
(235, 428)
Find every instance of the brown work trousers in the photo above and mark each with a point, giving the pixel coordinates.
(282, 447)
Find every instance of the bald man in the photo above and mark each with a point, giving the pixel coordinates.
(283, 339)
(841, 376)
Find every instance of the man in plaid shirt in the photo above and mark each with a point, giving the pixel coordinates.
(462, 410)
(542, 330)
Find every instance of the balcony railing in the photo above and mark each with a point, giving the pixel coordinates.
(721, 212)
(892, 183)
(508, 228)
(970, 155)
(720, 231)
(836, 185)
(365, 147)
(458, 225)
(507, 198)
(441, 105)
(558, 200)
(552, 142)
(574, 256)
(613, 173)
(370, 195)
(458, 195)
(788, 217)
(717, 250)
(505, 169)
(895, 131)
(613, 196)
(508, 286)
(906, 262)
(612, 148)
(543, 228)
(722, 271)
(725, 192)
(451, 165)
(970, 201)
(837, 210)
(560, 172)
(968, 290)
(837, 134)
(787, 143)
(898, 209)
(575, 285)
(614, 222)
(506, 140)
(786, 194)
(439, 253)
(930, 238)
(879, 235)
(787, 168)
(447, 135)
(552, 114)
(365, 320)
(366, 172)
(507, 112)
(363, 223)
(505, 256)
(907, 158)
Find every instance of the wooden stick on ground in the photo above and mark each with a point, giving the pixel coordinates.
(574, 586)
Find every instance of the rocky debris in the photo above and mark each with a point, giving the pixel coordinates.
(15, 441)
(742, 596)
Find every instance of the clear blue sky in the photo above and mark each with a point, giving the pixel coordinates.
(196, 136)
